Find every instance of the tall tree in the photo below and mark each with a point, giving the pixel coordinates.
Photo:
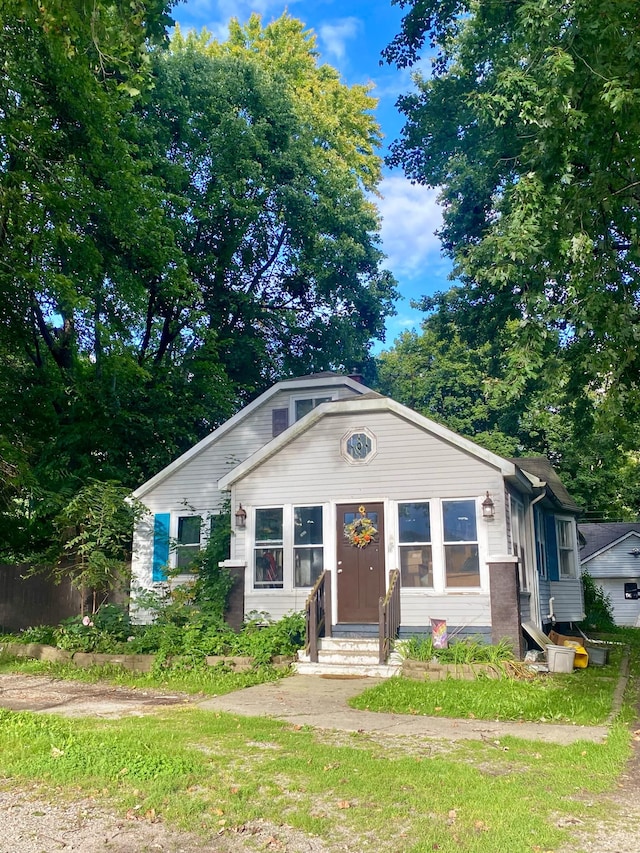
(269, 158)
(177, 229)
(530, 124)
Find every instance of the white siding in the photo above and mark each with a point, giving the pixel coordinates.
(192, 489)
(409, 464)
(617, 561)
(625, 611)
(611, 570)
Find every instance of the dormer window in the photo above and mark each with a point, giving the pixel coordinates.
(303, 407)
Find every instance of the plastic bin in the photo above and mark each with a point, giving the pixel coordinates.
(598, 655)
(560, 658)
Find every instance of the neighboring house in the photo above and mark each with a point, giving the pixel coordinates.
(336, 478)
(611, 555)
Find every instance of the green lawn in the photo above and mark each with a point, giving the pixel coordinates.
(216, 773)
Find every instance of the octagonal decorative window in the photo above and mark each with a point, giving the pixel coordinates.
(358, 445)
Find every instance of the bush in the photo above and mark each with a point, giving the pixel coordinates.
(597, 606)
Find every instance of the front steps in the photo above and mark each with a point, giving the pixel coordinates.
(347, 656)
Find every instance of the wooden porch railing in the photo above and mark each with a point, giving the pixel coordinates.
(389, 610)
(318, 615)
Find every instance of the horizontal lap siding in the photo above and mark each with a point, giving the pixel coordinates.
(460, 610)
(196, 482)
(567, 600)
(625, 611)
(617, 561)
(409, 464)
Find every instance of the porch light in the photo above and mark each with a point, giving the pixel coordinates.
(241, 518)
(488, 508)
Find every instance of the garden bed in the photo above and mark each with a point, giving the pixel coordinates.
(133, 663)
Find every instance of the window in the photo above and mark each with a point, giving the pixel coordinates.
(462, 566)
(188, 540)
(268, 551)
(566, 548)
(308, 551)
(518, 540)
(303, 407)
(414, 527)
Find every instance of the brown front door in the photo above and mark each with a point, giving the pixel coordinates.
(360, 569)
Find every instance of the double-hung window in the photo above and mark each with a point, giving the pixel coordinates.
(308, 551)
(414, 534)
(565, 534)
(462, 564)
(188, 540)
(518, 529)
(268, 552)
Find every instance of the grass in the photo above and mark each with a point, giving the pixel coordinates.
(207, 680)
(583, 697)
(217, 773)
(576, 698)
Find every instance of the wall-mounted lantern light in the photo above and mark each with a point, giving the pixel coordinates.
(241, 518)
(488, 508)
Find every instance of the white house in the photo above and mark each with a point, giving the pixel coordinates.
(337, 479)
(610, 553)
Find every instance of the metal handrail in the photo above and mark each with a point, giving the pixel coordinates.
(318, 615)
(389, 616)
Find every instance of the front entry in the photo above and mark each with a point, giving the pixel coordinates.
(360, 561)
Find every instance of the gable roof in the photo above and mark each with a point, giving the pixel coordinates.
(371, 401)
(299, 383)
(599, 537)
(541, 468)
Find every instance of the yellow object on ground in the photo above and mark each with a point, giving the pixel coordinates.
(582, 656)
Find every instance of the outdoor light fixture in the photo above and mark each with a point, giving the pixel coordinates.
(241, 518)
(488, 508)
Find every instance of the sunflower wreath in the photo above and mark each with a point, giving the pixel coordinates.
(361, 531)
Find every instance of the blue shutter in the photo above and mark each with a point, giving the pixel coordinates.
(160, 545)
(552, 547)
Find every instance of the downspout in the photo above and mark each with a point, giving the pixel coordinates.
(535, 590)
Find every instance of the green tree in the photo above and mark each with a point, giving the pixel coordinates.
(530, 123)
(268, 158)
(177, 230)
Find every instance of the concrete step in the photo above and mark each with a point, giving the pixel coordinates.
(369, 670)
(342, 656)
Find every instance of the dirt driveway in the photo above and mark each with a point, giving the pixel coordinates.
(29, 823)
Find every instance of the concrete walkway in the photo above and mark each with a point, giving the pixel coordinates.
(321, 702)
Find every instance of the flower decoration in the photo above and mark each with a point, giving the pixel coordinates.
(361, 531)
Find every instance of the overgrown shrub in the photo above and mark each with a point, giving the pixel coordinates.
(597, 606)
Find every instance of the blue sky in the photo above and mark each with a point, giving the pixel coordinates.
(350, 36)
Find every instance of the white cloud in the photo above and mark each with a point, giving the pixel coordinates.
(410, 216)
(335, 35)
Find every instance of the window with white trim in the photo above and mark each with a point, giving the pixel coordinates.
(188, 540)
(460, 536)
(565, 534)
(303, 406)
(308, 549)
(414, 538)
(269, 548)
(541, 545)
(518, 538)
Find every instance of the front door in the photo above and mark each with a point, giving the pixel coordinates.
(360, 559)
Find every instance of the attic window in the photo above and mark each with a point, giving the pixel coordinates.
(358, 445)
(303, 407)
